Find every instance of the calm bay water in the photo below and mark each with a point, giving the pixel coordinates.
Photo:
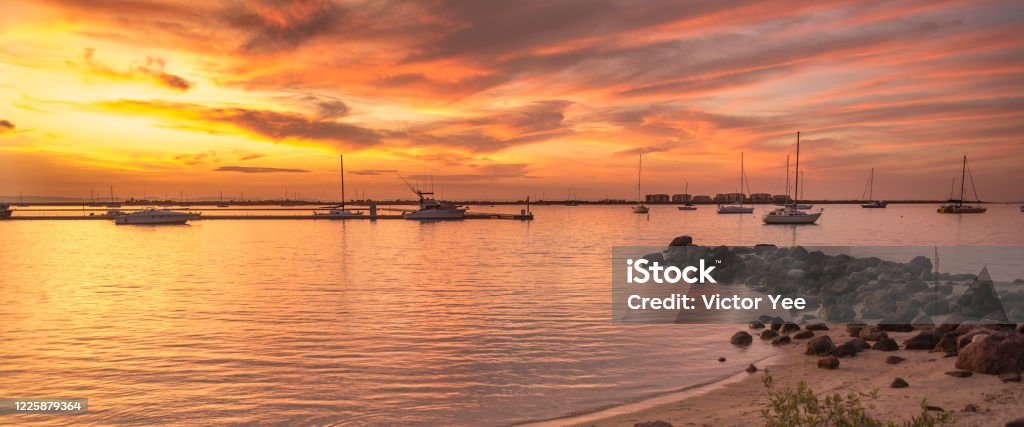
(357, 322)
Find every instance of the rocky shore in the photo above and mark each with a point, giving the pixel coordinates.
(877, 328)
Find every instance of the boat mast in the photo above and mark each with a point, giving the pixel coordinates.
(341, 161)
(963, 175)
(796, 185)
(741, 179)
(871, 185)
(787, 177)
(639, 173)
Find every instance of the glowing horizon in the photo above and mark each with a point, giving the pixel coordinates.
(508, 100)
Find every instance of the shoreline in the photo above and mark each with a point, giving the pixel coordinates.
(587, 417)
(739, 399)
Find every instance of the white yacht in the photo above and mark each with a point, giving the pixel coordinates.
(154, 216)
(870, 193)
(339, 211)
(430, 208)
(687, 206)
(792, 214)
(641, 208)
(738, 209)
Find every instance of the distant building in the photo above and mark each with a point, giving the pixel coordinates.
(781, 198)
(729, 197)
(702, 199)
(680, 198)
(760, 197)
(657, 198)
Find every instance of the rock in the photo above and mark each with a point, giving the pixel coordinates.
(844, 350)
(947, 343)
(682, 241)
(922, 321)
(1010, 377)
(790, 327)
(971, 408)
(858, 344)
(741, 338)
(934, 408)
(892, 360)
(820, 345)
(895, 327)
(751, 369)
(721, 359)
(980, 297)
(872, 333)
(886, 344)
(768, 334)
(899, 383)
(960, 373)
(776, 323)
(1019, 422)
(781, 340)
(653, 423)
(828, 362)
(924, 340)
(756, 325)
(936, 307)
(996, 353)
(838, 314)
(816, 327)
(854, 329)
(805, 334)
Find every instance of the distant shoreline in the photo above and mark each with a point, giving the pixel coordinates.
(214, 203)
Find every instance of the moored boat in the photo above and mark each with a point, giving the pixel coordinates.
(738, 208)
(154, 217)
(339, 211)
(792, 214)
(641, 208)
(5, 211)
(870, 192)
(957, 206)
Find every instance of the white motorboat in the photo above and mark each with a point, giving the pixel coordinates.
(433, 209)
(792, 214)
(869, 192)
(957, 206)
(738, 209)
(641, 208)
(339, 211)
(154, 217)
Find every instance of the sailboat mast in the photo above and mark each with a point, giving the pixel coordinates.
(796, 185)
(871, 185)
(741, 179)
(787, 176)
(341, 162)
(963, 175)
(639, 173)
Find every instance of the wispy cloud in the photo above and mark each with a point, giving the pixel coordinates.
(149, 70)
(252, 169)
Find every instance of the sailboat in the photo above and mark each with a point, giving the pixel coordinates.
(870, 191)
(641, 208)
(570, 201)
(688, 206)
(792, 214)
(800, 195)
(339, 211)
(221, 203)
(21, 201)
(957, 206)
(738, 209)
(112, 203)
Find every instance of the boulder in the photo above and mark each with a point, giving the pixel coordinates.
(1019, 422)
(838, 314)
(683, 240)
(960, 373)
(936, 307)
(886, 344)
(844, 350)
(790, 327)
(924, 340)
(756, 325)
(858, 344)
(816, 327)
(805, 334)
(782, 340)
(769, 334)
(872, 333)
(892, 360)
(741, 338)
(980, 300)
(947, 343)
(996, 353)
(828, 362)
(899, 383)
(820, 345)
(895, 327)
(854, 329)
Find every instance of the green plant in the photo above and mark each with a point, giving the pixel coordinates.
(801, 407)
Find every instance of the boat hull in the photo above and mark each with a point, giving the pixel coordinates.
(874, 205)
(175, 220)
(961, 209)
(641, 209)
(735, 210)
(436, 214)
(687, 208)
(792, 219)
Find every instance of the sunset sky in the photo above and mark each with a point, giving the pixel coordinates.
(506, 99)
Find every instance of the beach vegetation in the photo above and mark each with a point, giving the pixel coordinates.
(800, 406)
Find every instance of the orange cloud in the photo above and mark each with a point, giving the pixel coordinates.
(151, 70)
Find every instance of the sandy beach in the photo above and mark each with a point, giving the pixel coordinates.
(736, 403)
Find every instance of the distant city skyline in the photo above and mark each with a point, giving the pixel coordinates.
(504, 100)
